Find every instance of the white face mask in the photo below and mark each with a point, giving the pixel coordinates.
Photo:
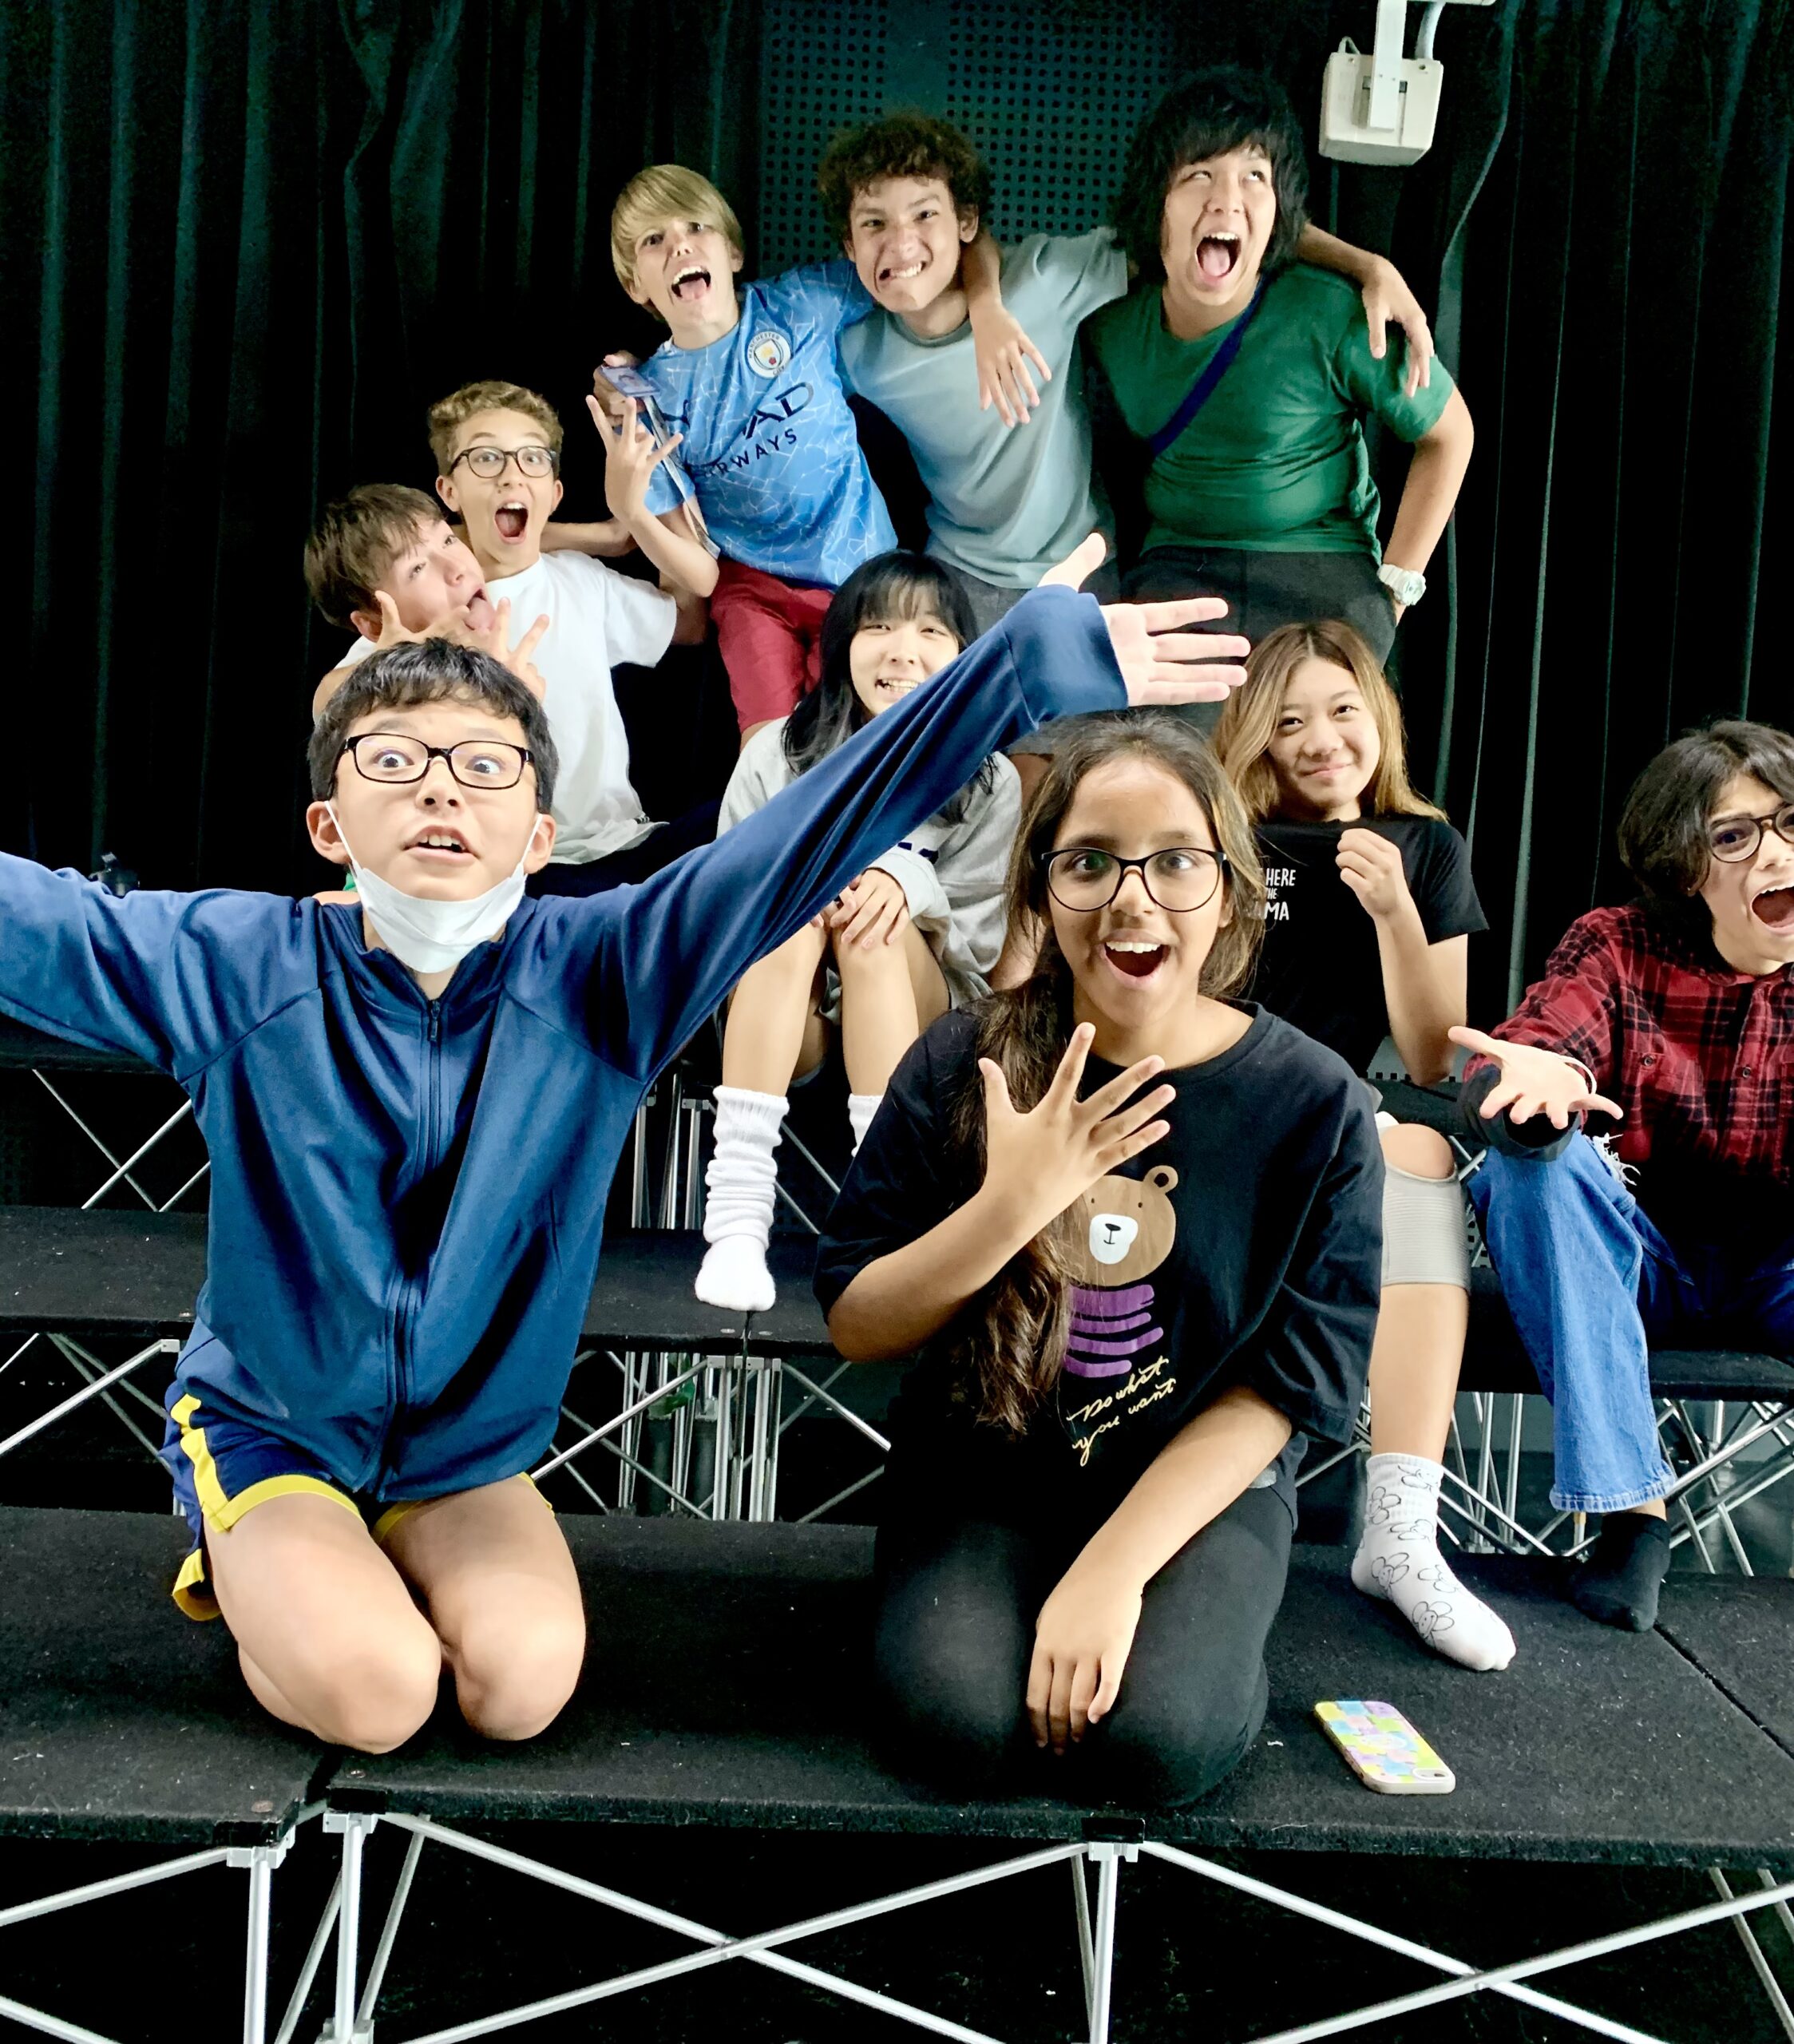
(434, 936)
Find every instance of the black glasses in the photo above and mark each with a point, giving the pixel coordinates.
(1736, 838)
(489, 462)
(476, 762)
(1178, 879)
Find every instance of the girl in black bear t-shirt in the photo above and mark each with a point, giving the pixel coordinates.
(1132, 1228)
(1369, 912)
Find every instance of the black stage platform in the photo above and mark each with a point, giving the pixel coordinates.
(119, 1718)
(115, 1272)
(727, 1683)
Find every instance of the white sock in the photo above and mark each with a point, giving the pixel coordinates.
(1398, 1558)
(740, 1197)
(860, 1108)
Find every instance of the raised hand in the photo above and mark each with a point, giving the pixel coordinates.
(1160, 661)
(1082, 1640)
(1534, 1082)
(1038, 1162)
(631, 457)
(393, 633)
(872, 910)
(495, 638)
(1370, 866)
(1387, 298)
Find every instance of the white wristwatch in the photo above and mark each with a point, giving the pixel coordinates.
(1407, 585)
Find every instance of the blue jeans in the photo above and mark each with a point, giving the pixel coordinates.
(1589, 1279)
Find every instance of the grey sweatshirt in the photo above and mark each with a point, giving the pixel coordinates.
(952, 874)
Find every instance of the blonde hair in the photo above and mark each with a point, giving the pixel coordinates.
(662, 192)
(448, 415)
(1243, 738)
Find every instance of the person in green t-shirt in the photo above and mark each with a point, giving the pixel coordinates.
(1263, 495)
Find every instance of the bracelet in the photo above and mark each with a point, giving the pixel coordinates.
(1577, 1064)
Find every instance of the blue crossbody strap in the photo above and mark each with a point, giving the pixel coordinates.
(1204, 387)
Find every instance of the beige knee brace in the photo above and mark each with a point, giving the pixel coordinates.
(1425, 1240)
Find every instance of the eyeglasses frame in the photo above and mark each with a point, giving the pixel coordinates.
(1222, 867)
(442, 752)
(1760, 825)
(510, 454)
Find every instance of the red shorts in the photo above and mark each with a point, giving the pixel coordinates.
(770, 633)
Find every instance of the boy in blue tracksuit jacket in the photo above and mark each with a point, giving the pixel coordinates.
(413, 1127)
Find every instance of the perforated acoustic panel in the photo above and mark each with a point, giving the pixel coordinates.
(1049, 92)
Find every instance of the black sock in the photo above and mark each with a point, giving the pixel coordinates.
(1618, 1583)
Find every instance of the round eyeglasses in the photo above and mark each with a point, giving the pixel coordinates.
(485, 763)
(1736, 838)
(489, 462)
(1178, 879)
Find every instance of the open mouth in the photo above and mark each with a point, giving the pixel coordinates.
(444, 846)
(1134, 958)
(512, 519)
(693, 281)
(1217, 256)
(895, 274)
(894, 685)
(1775, 907)
(480, 611)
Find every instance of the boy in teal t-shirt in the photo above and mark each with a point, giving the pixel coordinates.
(1264, 496)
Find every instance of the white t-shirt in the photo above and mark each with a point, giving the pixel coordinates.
(599, 619)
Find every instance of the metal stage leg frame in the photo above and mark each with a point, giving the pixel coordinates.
(1467, 1979)
(258, 1861)
(716, 1947)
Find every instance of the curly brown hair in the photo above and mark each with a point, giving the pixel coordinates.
(901, 145)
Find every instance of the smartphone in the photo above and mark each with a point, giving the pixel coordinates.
(630, 383)
(1384, 1750)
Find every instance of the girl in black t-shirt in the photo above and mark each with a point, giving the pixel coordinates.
(1131, 1227)
(1369, 912)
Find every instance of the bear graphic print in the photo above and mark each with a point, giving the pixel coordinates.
(1129, 1227)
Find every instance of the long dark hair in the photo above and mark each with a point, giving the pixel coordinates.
(891, 588)
(1011, 1343)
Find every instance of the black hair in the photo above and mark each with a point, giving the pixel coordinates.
(1213, 111)
(429, 671)
(897, 585)
(1663, 828)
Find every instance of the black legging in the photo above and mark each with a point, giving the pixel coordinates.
(957, 1599)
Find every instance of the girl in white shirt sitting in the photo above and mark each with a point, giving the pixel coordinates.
(916, 934)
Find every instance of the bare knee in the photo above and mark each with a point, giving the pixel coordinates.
(512, 1679)
(372, 1696)
(793, 963)
(1423, 1153)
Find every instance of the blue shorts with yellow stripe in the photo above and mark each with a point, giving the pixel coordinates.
(223, 1469)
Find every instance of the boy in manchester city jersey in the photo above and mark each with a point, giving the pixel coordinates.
(751, 382)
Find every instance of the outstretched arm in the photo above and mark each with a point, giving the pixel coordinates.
(668, 951)
(168, 978)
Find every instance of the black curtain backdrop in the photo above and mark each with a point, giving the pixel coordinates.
(243, 243)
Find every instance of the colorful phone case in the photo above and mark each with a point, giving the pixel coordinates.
(1384, 1750)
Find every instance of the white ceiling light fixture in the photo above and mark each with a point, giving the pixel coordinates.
(1382, 108)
